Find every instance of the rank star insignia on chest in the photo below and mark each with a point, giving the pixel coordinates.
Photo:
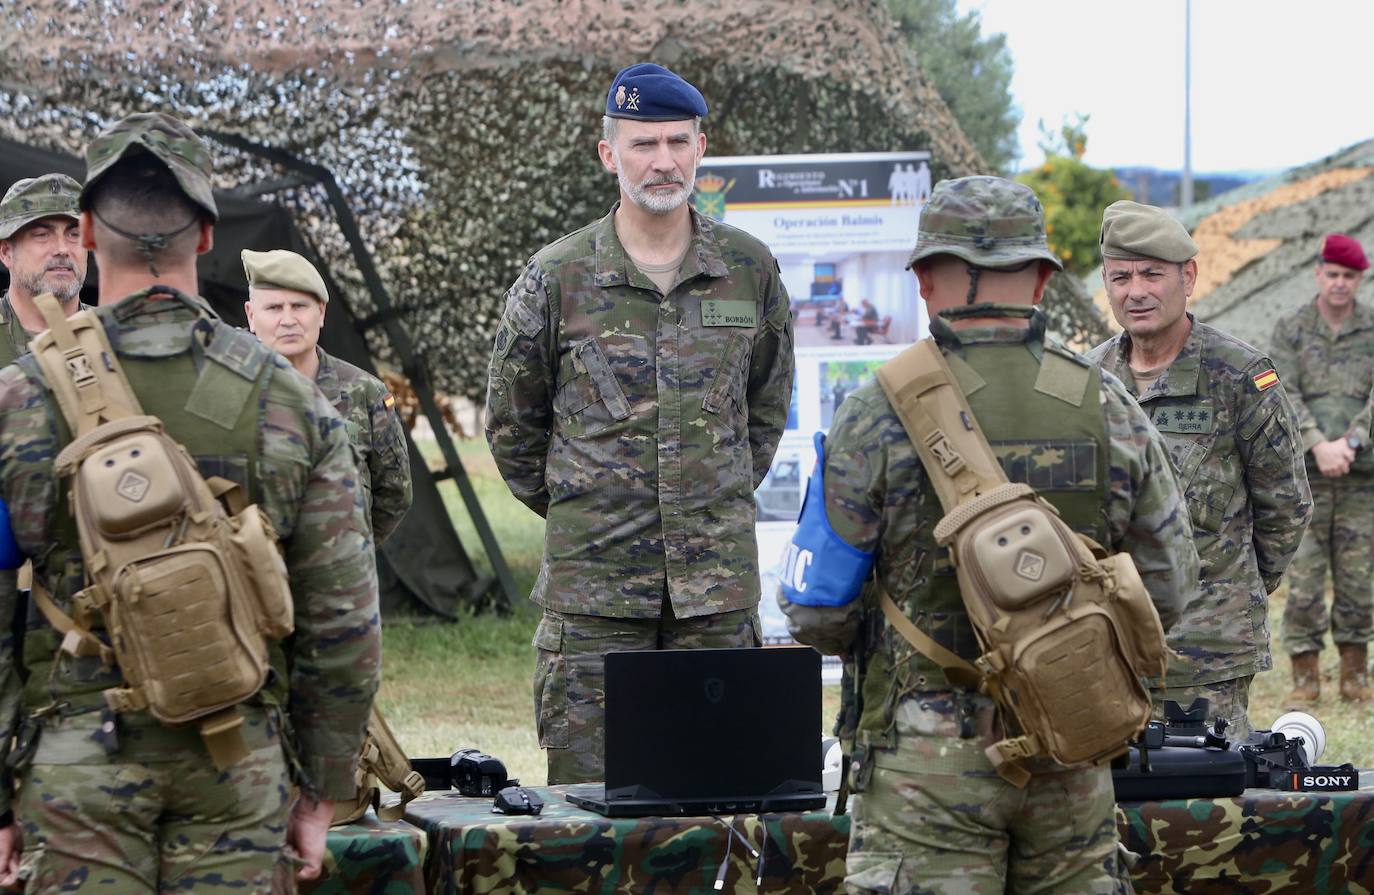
(1184, 420)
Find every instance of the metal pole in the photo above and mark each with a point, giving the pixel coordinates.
(1185, 193)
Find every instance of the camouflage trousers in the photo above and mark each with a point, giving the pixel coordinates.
(569, 677)
(1339, 538)
(935, 819)
(1229, 700)
(153, 815)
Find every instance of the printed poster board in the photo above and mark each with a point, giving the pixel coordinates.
(841, 227)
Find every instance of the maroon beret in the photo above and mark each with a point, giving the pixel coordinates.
(1341, 249)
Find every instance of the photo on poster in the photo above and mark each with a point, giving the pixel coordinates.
(839, 380)
(856, 300)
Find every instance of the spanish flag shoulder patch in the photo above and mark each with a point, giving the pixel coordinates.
(389, 401)
(1267, 379)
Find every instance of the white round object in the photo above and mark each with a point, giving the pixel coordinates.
(832, 757)
(1301, 724)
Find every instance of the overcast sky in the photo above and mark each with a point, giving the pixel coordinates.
(1275, 83)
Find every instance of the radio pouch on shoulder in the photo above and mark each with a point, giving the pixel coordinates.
(1066, 631)
(190, 593)
(382, 763)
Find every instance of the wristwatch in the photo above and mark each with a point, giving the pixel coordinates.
(1354, 443)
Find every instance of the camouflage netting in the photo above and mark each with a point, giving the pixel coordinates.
(1259, 243)
(463, 134)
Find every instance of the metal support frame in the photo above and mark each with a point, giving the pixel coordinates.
(399, 338)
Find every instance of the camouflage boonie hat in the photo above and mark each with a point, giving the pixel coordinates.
(987, 221)
(168, 139)
(35, 198)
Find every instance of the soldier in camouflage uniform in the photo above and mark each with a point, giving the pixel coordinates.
(40, 245)
(638, 387)
(1325, 352)
(1232, 437)
(933, 815)
(286, 304)
(121, 803)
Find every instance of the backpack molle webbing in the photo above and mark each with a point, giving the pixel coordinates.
(190, 594)
(1066, 630)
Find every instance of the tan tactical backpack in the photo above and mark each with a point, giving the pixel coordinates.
(1066, 630)
(382, 763)
(190, 594)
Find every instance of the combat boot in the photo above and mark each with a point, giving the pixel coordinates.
(1354, 676)
(1307, 681)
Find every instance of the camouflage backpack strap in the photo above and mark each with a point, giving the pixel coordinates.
(959, 671)
(84, 376)
(381, 762)
(959, 462)
(925, 396)
(384, 757)
(81, 368)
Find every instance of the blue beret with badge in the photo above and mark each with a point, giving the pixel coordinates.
(649, 92)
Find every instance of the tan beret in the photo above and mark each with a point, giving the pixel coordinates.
(1131, 231)
(280, 269)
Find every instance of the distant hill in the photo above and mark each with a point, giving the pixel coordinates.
(1156, 187)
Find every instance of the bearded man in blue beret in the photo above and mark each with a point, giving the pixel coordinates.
(639, 384)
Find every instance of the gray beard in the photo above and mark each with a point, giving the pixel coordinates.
(34, 285)
(653, 202)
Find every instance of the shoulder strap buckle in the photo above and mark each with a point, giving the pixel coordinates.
(950, 459)
(79, 365)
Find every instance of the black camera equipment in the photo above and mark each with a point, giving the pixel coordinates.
(1182, 757)
(475, 773)
(1276, 761)
(470, 771)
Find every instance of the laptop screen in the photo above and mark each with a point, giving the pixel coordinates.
(713, 723)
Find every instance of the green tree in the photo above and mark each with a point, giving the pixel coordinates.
(1073, 194)
(971, 72)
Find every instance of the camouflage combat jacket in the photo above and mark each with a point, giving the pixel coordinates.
(639, 424)
(265, 427)
(14, 343)
(379, 443)
(1232, 439)
(1072, 433)
(1328, 375)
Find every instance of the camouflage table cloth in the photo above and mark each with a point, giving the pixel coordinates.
(372, 857)
(568, 849)
(1262, 843)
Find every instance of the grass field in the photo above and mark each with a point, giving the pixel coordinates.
(467, 683)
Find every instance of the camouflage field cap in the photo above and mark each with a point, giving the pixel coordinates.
(987, 221)
(35, 198)
(280, 269)
(168, 139)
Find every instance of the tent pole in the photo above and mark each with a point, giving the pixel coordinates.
(400, 340)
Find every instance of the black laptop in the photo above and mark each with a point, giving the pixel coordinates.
(710, 731)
